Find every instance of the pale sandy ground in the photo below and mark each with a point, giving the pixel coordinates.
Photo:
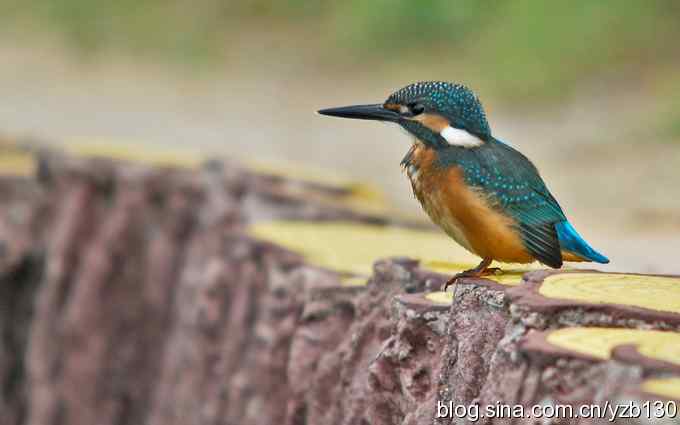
(620, 190)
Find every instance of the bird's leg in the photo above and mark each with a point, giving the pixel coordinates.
(481, 270)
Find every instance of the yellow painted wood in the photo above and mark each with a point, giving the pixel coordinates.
(353, 248)
(666, 387)
(16, 163)
(440, 297)
(599, 342)
(354, 281)
(302, 172)
(510, 275)
(135, 152)
(359, 197)
(652, 292)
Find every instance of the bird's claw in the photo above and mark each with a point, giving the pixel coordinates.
(449, 282)
(455, 278)
(496, 271)
(472, 274)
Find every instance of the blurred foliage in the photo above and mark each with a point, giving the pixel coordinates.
(524, 47)
(670, 125)
(665, 124)
(530, 47)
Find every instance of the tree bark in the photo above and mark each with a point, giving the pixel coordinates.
(134, 294)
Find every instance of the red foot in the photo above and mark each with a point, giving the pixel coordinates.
(471, 274)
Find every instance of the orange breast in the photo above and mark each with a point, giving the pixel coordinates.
(464, 213)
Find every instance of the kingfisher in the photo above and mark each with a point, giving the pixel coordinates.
(484, 194)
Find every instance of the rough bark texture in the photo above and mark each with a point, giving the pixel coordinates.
(21, 272)
(132, 295)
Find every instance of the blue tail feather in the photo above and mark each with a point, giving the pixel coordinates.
(571, 241)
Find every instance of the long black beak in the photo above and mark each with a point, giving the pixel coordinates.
(362, 112)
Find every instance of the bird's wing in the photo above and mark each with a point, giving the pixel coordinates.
(515, 187)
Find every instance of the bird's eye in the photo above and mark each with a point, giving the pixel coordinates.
(416, 108)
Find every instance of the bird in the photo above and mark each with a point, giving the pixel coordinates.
(483, 193)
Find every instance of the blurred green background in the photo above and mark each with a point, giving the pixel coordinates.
(588, 89)
(532, 50)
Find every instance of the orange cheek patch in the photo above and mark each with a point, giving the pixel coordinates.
(434, 122)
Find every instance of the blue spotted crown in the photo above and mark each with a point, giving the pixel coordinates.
(454, 101)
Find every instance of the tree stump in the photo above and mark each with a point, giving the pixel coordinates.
(144, 287)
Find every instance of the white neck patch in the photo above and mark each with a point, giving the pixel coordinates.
(458, 137)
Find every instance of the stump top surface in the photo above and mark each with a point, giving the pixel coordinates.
(651, 292)
(666, 387)
(306, 173)
(599, 342)
(440, 297)
(135, 152)
(511, 274)
(16, 163)
(354, 281)
(354, 247)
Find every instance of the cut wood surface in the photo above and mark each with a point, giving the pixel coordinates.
(662, 388)
(157, 288)
(650, 292)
